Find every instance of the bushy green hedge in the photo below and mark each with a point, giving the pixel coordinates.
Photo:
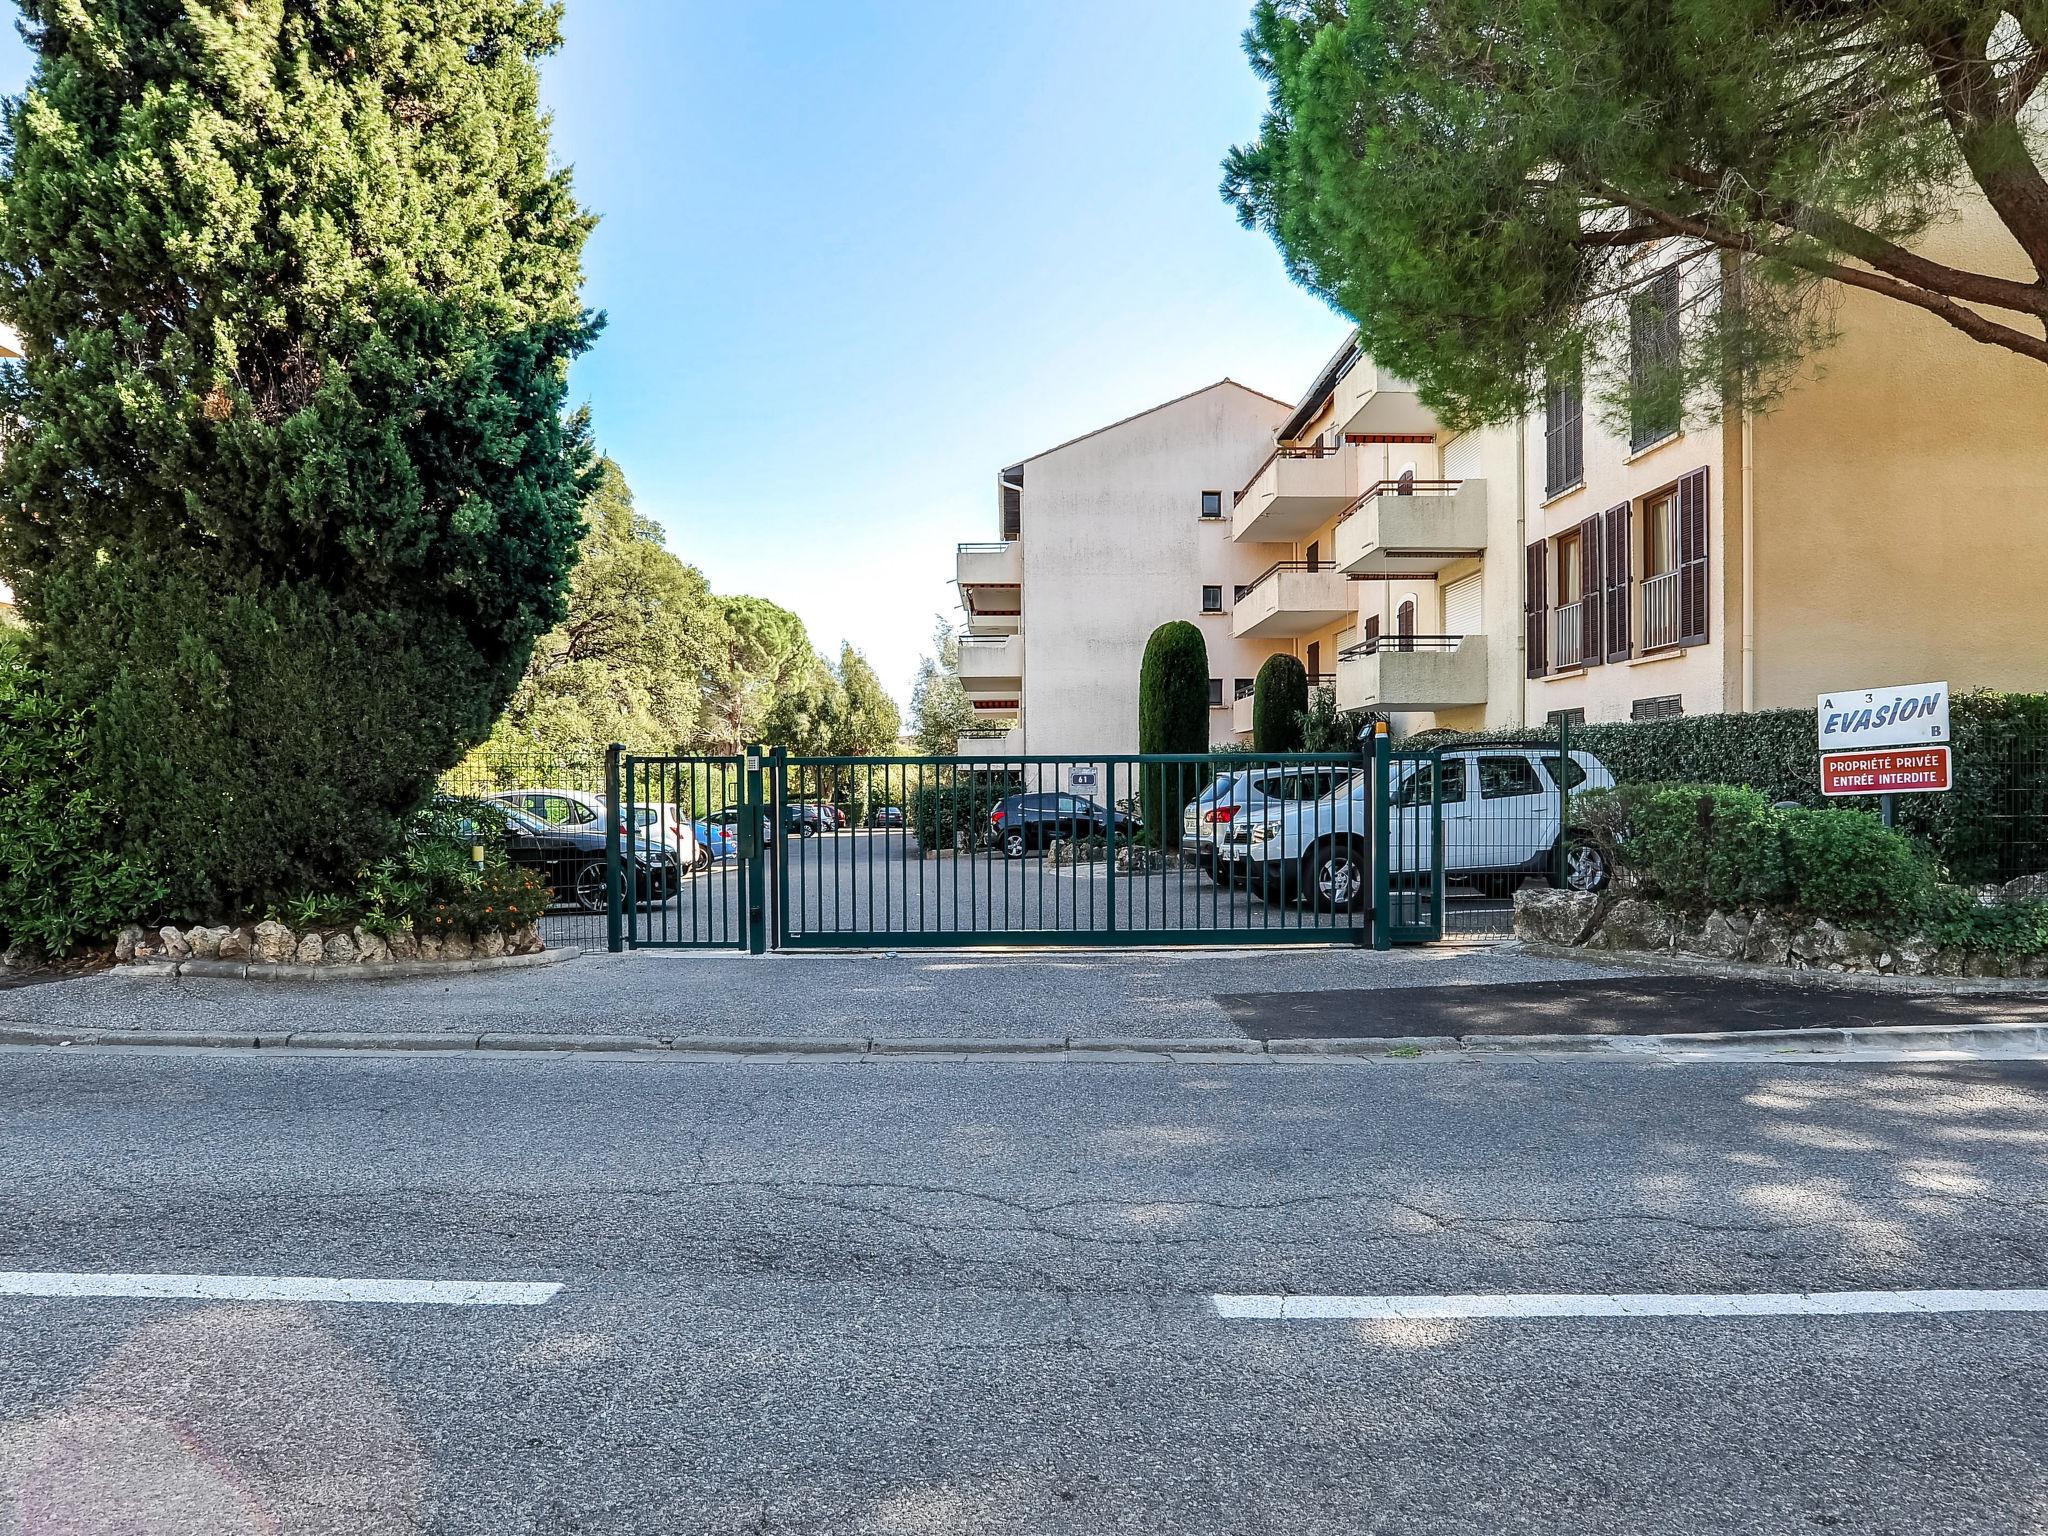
(63, 878)
(943, 808)
(1173, 717)
(1992, 825)
(1279, 700)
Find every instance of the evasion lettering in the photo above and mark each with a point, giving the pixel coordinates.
(1896, 713)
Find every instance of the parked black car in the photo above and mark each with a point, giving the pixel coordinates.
(1022, 824)
(570, 859)
(804, 818)
(889, 816)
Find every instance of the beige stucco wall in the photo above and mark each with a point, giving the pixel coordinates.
(1114, 546)
(1901, 504)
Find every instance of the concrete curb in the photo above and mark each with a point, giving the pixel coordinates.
(1747, 970)
(1298, 1052)
(380, 970)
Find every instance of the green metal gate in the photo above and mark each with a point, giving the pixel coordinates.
(1222, 849)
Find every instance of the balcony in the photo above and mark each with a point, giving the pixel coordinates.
(991, 666)
(1568, 636)
(1403, 672)
(1292, 598)
(989, 741)
(1373, 403)
(991, 581)
(1295, 492)
(1241, 707)
(1412, 527)
(1661, 626)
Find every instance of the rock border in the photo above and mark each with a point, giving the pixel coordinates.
(369, 970)
(1620, 924)
(270, 945)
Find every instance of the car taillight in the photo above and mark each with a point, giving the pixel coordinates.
(996, 814)
(1221, 814)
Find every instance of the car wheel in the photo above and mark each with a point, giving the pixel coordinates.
(1334, 877)
(702, 861)
(1585, 867)
(1014, 846)
(590, 888)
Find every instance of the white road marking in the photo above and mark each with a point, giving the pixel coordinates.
(415, 1293)
(1294, 1309)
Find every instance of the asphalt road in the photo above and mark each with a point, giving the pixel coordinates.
(856, 884)
(962, 1299)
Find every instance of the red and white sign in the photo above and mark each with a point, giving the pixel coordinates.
(1888, 771)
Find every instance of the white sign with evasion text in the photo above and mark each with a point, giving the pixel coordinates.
(1915, 714)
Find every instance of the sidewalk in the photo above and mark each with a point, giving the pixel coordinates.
(1010, 995)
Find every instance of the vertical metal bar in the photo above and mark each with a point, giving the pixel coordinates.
(1382, 841)
(1564, 792)
(614, 940)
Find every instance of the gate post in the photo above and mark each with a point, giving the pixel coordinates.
(614, 939)
(1564, 796)
(752, 839)
(1382, 838)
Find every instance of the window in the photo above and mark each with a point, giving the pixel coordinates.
(1212, 599)
(1212, 505)
(1667, 706)
(1215, 693)
(1565, 772)
(1660, 535)
(1246, 687)
(1654, 341)
(560, 811)
(1503, 778)
(1564, 435)
(1416, 790)
(1572, 717)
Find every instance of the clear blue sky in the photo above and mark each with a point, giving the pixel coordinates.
(859, 256)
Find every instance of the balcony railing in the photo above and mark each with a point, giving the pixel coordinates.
(1402, 487)
(1273, 572)
(1568, 625)
(1247, 688)
(1660, 610)
(1315, 450)
(1380, 645)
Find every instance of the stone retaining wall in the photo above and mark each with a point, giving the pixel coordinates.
(272, 943)
(1631, 924)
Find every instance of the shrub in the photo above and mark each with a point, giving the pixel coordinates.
(63, 878)
(1848, 867)
(290, 485)
(1173, 717)
(1957, 920)
(497, 899)
(1279, 700)
(940, 810)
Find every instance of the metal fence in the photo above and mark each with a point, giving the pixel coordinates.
(563, 792)
(1068, 850)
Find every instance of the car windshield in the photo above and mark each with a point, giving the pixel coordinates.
(515, 817)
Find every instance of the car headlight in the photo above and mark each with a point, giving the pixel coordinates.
(1265, 832)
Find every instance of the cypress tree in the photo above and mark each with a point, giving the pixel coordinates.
(1173, 716)
(1279, 698)
(288, 487)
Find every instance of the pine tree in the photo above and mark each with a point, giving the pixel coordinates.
(288, 487)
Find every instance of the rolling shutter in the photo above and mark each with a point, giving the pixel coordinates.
(1618, 573)
(1692, 558)
(1592, 591)
(1465, 606)
(1536, 609)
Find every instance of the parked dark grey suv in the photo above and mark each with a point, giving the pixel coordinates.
(1022, 824)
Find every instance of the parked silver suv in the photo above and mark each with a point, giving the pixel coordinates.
(1250, 795)
(1500, 822)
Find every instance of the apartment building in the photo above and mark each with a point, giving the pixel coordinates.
(1103, 539)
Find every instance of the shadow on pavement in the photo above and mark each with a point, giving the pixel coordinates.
(1632, 1006)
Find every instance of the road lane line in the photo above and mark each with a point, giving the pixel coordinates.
(298, 1288)
(1301, 1309)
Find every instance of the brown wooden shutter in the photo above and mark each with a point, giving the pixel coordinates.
(1619, 570)
(1692, 558)
(1592, 591)
(1536, 608)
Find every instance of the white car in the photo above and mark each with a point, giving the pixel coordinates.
(1246, 797)
(584, 812)
(1500, 822)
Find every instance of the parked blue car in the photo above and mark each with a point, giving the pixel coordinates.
(723, 842)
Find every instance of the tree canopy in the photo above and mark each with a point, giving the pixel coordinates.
(288, 487)
(1471, 179)
(939, 710)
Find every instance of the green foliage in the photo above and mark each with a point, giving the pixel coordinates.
(1959, 921)
(434, 885)
(869, 722)
(63, 878)
(1471, 181)
(1702, 847)
(960, 802)
(763, 681)
(627, 664)
(497, 899)
(1279, 700)
(1323, 728)
(1173, 716)
(288, 488)
(939, 710)
(1992, 825)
